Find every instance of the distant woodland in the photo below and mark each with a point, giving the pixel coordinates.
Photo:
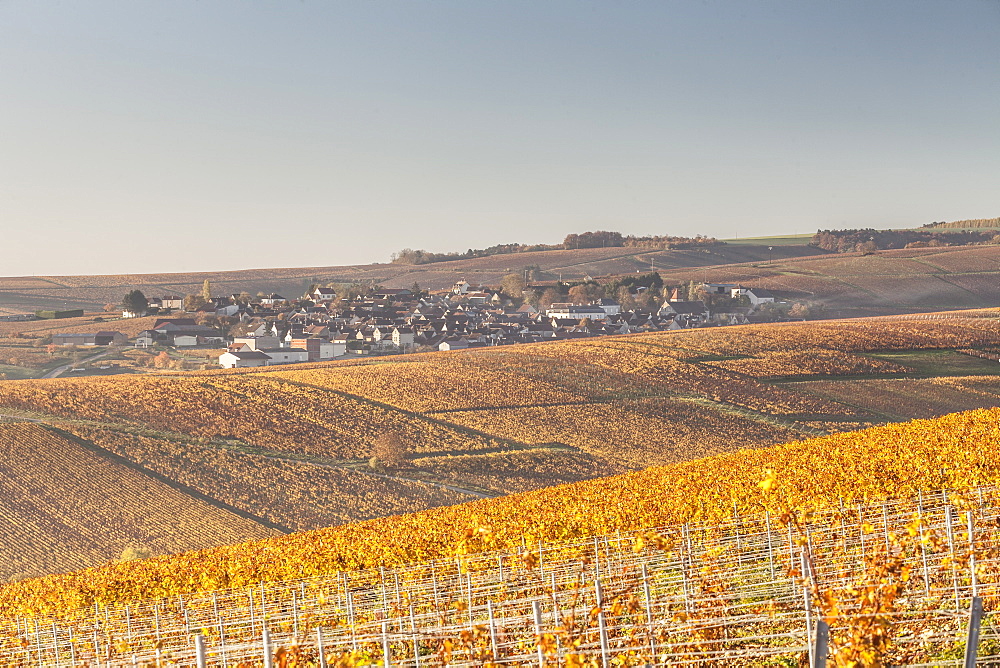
(871, 240)
(599, 239)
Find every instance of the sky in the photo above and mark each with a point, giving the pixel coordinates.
(197, 135)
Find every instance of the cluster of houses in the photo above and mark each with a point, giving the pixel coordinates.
(276, 330)
(398, 321)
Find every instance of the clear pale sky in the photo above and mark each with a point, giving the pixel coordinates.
(198, 135)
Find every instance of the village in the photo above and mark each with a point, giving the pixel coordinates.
(321, 325)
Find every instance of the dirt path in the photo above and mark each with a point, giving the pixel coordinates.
(59, 370)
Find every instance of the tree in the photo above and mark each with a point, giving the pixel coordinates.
(193, 302)
(694, 292)
(624, 297)
(585, 293)
(548, 297)
(512, 285)
(390, 448)
(206, 291)
(135, 303)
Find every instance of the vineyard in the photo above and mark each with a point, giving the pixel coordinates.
(294, 446)
(289, 493)
(884, 583)
(894, 461)
(91, 509)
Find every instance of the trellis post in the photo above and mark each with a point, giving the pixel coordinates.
(972, 641)
(199, 651)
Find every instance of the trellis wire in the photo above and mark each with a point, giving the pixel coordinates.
(676, 620)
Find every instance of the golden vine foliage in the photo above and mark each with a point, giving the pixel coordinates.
(955, 451)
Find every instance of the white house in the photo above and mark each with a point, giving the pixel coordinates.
(758, 296)
(243, 358)
(685, 313)
(403, 338)
(453, 344)
(574, 312)
(272, 299)
(172, 302)
(323, 294)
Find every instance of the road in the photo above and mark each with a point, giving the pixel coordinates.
(59, 370)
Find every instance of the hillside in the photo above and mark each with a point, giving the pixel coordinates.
(893, 281)
(30, 293)
(293, 444)
(66, 507)
(849, 284)
(955, 452)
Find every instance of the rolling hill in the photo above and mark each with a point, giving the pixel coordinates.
(293, 445)
(957, 451)
(892, 281)
(65, 507)
(30, 293)
(847, 284)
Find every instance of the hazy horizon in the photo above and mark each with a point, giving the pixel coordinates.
(147, 138)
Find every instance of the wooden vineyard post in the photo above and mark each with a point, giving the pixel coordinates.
(648, 599)
(55, 643)
(493, 629)
(199, 651)
(265, 641)
(972, 641)
(222, 644)
(386, 651)
(536, 611)
(319, 647)
(416, 639)
(97, 651)
(602, 626)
